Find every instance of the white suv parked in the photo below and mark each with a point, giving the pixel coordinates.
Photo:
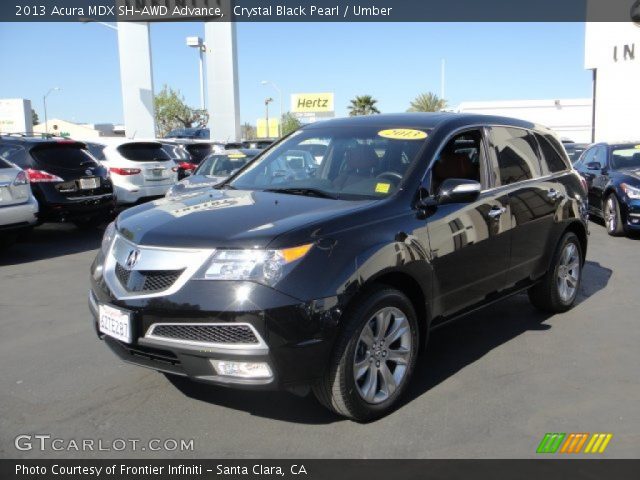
(140, 169)
(18, 207)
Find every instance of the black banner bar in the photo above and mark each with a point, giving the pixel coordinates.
(320, 10)
(321, 469)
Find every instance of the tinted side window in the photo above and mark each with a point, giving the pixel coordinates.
(586, 157)
(14, 154)
(552, 160)
(5, 164)
(600, 156)
(516, 154)
(143, 152)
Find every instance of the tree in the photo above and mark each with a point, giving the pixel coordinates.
(363, 105)
(172, 112)
(248, 131)
(427, 102)
(289, 123)
(34, 118)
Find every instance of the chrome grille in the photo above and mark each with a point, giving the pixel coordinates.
(209, 333)
(146, 280)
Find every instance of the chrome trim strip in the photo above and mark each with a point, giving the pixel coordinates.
(261, 345)
(90, 197)
(156, 258)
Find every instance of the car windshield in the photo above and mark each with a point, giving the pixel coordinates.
(627, 157)
(357, 163)
(222, 165)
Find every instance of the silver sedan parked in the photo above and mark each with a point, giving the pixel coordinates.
(18, 207)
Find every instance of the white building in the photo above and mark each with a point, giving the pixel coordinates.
(612, 51)
(569, 118)
(15, 115)
(84, 131)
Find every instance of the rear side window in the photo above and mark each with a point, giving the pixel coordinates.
(143, 152)
(515, 151)
(5, 164)
(97, 151)
(551, 158)
(62, 156)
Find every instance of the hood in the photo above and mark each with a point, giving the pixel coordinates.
(227, 218)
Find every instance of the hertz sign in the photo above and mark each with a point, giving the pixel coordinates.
(312, 103)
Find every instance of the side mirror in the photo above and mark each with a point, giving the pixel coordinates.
(458, 190)
(593, 166)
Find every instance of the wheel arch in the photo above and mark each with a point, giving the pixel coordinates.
(581, 232)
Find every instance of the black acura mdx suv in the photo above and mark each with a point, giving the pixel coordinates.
(332, 278)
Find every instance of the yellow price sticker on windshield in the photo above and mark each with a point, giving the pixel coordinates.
(403, 134)
(637, 147)
(383, 187)
(236, 155)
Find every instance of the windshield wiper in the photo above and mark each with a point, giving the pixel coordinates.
(309, 192)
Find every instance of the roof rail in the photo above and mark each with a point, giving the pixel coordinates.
(27, 134)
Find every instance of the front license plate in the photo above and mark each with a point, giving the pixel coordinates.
(88, 183)
(115, 322)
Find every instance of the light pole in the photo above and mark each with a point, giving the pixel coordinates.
(268, 82)
(267, 101)
(196, 42)
(44, 101)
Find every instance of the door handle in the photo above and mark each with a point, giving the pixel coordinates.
(495, 212)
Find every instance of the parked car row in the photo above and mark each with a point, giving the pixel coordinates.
(63, 180)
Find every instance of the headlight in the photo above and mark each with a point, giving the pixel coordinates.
(263, 266)
(107, 238)
(632, 192)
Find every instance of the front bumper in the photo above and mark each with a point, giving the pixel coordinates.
(632, 214)
(295, 338)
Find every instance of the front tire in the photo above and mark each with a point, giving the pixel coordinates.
(374, 357)
(558, 289)
(612, 218)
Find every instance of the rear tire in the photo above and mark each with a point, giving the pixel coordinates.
(558, 289)
(612, 217)
(374, 357)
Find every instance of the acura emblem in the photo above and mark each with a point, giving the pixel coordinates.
(132, 259)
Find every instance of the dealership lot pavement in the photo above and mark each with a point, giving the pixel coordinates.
(490, 385)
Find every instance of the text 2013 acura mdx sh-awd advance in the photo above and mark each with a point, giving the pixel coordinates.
(331, 276)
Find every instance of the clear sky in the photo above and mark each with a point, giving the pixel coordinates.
(391, 61)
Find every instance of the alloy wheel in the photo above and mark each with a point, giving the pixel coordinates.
(568, 275)
(382, 355)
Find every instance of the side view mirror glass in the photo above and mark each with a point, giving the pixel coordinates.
(458, 190)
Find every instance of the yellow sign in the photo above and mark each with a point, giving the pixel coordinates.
(261, 128)
(637, 147)
(383, 187)
(403, 134)
(236, 155)
(312, 102)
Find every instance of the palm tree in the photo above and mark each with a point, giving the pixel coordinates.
(427, 102)
(363, 105)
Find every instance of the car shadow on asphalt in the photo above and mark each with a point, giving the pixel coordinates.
(450, 349)
(49, 241)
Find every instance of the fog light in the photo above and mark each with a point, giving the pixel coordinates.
(229, 368)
